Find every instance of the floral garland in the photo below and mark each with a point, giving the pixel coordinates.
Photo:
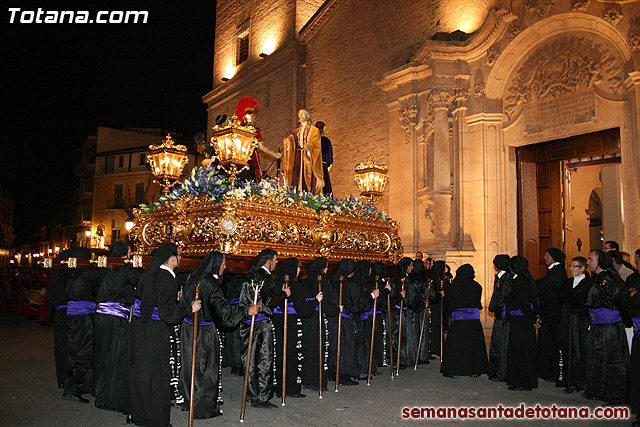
(209, 183)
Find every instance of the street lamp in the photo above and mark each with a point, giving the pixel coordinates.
(234, 144)
(166, 161)
(372, 179)
(88, 236)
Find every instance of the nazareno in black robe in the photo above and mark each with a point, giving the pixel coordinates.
(294, 332)
(421, 292)
(575, 326)
(82, 286)
(438, 279)
(149, 371)
(363, 320)
(409, 342)
(607, 348)
(232, 343)
(306, 305)
(215, 312)
(549, 332)
(522, 364)
(353, 303)
(632, 304)
(464, 349)
(58, 314)
(500, 330)
(261, 385)
(112, 334)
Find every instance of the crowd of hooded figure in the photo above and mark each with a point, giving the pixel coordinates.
(125, 336)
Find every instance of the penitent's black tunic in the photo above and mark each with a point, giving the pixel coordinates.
(214, 310)
(409, 341)
(575, 326)
(464, 349)
(632, 303)
(306, 306)
(148, 359)
(500, 331)
(549, 332)
(58, 313)
(608, 351)
(522, 364)
(112, 339)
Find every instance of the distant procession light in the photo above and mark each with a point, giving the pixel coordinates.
(87, 233)
(50, 250)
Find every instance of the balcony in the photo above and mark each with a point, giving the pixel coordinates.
(83, 168)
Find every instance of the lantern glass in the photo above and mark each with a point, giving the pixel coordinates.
(234, 143)
(371, 178)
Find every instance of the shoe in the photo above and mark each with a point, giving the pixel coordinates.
(75, 398)
(495, 379)
(129, 419)
(455, 377)
(297, 395)
(514, 388)
(331, 375)
(380, 373)
(348, 381)
(588, 396)
(475, 375)
(265, 404)
(432, 358)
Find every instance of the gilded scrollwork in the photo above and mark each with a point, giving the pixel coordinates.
(245, 227)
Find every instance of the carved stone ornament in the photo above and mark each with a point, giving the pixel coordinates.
(612, 15)
(478, 91)
(492, 55)
(459, 98)
(513, 32)
(634, 40)
(579, 5)
(408, 118)
(541, 7)
(564, 65)
(440, 98)
(430, 222)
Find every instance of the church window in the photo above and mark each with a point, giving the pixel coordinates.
(242, 48)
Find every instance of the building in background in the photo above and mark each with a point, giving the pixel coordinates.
(507, 126)
(6, 227)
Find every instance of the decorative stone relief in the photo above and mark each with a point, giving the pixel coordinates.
(408, 118)
(579, 5)
(562, 66)
(492, 55)
(612, 15)
(478, 91)
(513, 32)
(430, 222)
(459, 98)
(440, 98)
(541, 7)
(634, 40)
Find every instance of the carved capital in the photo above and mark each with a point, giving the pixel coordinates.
(612, 14)
(440, 98)
(408, 119)
(459, 98)
(579, 5)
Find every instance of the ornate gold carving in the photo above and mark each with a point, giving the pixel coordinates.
(612, 14)
(492, 55)
(541, 7)
(245, 227)
(579, 5)
(634, 40)
(513, 32)
(563, 66)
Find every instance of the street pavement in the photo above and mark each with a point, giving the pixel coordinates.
(29, 395)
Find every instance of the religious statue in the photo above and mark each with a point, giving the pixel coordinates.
(303, 157)
(100, 232)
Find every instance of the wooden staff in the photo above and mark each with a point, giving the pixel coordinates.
(424, 318)
(339, 336)
(373, 332)
(320, 341)
(400, 331)
(390, 334)
(193, 357)
(284, 342)
(256, 289)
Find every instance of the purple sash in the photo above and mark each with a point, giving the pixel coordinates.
(519, 312)
(234, 301)
(465, 314)
(347, 314)
(189, 320)
(136, 310)
(604, 316)
(259, 318)
(80, 308)
(60, 307)
(311, 299)
(290, 309)
(113, 309)
(398, 307)
(365, 316)
(636, 325)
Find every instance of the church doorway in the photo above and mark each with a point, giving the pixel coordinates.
(569, 195)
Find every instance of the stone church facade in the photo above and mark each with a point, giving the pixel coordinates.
(481, 109)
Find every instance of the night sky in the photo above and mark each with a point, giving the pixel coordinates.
(61, 81)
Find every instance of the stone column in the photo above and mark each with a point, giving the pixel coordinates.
(442, 170)
(630, 145)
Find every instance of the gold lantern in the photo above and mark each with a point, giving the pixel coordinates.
(234, 143)
(372, 179)
(167, 161)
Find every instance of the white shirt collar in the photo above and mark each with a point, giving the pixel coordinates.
(501, 273)
(577, 279)
(215, 276)
(266, 269)
(553, 265)
(515, 275)
(164, 267)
